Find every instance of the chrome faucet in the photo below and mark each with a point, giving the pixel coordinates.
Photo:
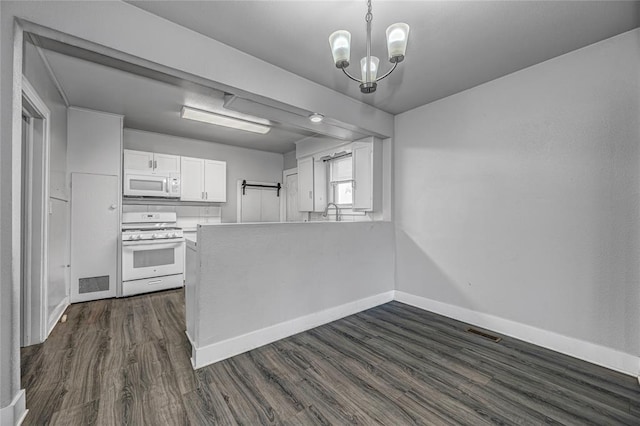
(326, 211)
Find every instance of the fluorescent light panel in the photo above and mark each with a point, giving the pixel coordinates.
(223, 120)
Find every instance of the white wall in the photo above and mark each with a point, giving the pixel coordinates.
(256, 276)
(290, 160)
(36, 72)
(519, 198)
(242, 163)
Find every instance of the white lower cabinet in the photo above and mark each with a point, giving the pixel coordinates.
(203, 180)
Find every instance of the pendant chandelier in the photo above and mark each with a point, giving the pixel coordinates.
(340, 42)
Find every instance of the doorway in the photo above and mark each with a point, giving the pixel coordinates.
(34, 218)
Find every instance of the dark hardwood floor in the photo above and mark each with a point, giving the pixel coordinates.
(126, 361)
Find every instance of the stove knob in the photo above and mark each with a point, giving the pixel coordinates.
(154, 236)
(138, 237)
(172, 235)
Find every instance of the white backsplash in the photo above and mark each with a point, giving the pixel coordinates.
(189, 217)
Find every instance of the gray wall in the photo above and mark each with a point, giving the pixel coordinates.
(242, 163)
(36, 72)
(255, 276)
(519, 198)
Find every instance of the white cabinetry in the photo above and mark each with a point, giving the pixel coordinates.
(151, 162)
(166, 163)
(305, 184)
(362, 156)
(215, 181)
(367, 177)
(94, 164)
(203, 180)
(312, 185)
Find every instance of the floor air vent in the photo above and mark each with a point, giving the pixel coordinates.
(485, 335)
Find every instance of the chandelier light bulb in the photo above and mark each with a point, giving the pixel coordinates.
(373, 69)
(340, 42)
(397, 37)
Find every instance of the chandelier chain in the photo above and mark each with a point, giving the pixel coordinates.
(369, 16)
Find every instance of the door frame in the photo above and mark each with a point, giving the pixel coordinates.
(34, 328)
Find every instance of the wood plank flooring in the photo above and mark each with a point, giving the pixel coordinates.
(126, 362)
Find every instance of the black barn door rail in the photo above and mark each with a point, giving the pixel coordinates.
(277, 187)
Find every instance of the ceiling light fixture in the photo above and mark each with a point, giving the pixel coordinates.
(316, 118)
(340, 42)
(223, 120)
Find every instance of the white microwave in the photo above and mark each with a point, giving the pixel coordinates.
(137, 184)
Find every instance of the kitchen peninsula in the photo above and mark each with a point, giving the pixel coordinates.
(251, 284)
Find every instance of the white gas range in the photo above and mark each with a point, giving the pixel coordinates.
(152, 252)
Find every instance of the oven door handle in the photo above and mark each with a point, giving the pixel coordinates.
(174, 242)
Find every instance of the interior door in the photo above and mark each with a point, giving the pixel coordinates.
(259, 205)
(292, 214)
(251, 205)
(270, 206)
(95, 228)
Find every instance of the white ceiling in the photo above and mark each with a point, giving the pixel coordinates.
(453, 45)
(155, 106)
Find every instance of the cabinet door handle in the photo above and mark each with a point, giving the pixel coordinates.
(310, 194)
(206, 195)
(202, 195)
(155, 164)
(150, 164)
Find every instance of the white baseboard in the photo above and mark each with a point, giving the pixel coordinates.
(215, 352)
(591, 352)
(56, 315)
(14, 413)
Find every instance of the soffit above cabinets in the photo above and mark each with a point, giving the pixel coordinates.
(453, 45)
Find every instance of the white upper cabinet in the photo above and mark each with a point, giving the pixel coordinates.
(151, 162)
(138, 160)
(94, 142)
(362, 176)
(203, 180)
(367, 175)
(166, 163)
(192, 179)
(215, 181)
(305, 184)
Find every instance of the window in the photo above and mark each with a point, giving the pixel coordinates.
(341, 181)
